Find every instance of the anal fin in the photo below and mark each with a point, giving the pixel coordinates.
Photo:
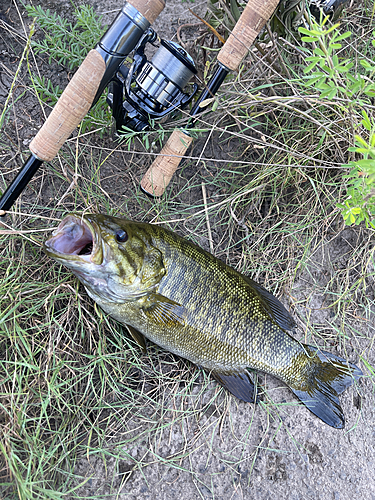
(240, 385)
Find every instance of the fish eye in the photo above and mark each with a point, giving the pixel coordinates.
(121, 236)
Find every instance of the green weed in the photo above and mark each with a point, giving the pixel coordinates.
(342, 79)
(68, 44)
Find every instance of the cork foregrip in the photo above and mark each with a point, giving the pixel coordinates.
(150, 9)
(157, 177)
(252, 20)
(70, 109)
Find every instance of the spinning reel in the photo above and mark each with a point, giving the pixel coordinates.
(150, 90)
(331, 8)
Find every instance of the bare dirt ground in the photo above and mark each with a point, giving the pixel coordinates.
(224, 449)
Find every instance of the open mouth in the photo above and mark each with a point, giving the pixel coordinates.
(74, 237)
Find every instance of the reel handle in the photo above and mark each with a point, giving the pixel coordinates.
(252, 20)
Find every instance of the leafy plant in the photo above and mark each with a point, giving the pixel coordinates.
(337, 78)
(360, 203)
(68, 44)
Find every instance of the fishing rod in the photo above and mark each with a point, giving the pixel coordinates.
(84, 89)
(252, 20)
(146, 91)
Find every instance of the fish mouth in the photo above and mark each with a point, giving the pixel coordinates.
(75, 239)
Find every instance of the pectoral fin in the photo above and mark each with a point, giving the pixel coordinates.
(138, 337)
(240, 385)
(163, 311)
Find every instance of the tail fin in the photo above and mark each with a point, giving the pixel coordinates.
(328, 375)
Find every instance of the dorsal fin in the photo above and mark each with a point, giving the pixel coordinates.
(275, 308)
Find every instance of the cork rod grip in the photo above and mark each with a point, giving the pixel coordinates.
(157, 177)
(150, 9)
(70, 109)
(252, 20)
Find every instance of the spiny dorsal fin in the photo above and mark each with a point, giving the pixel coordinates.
(138, 337)
(278, 312)
(163, 311)
(240, 385)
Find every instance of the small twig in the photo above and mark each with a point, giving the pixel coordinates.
(24, 54)
(9, 231)
(270, 34)
(294, 47)
(240, 222)
(187, 25)
(20, 231)
(222, 40)
(67, 192)
(23, 214)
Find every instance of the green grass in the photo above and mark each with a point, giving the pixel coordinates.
(76, 394)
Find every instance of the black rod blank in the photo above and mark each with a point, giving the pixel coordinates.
(20, 182)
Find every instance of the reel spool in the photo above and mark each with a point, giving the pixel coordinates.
(150, 90)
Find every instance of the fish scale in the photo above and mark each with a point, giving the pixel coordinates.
(181, 297)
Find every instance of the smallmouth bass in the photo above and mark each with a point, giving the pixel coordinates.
(184, 299)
